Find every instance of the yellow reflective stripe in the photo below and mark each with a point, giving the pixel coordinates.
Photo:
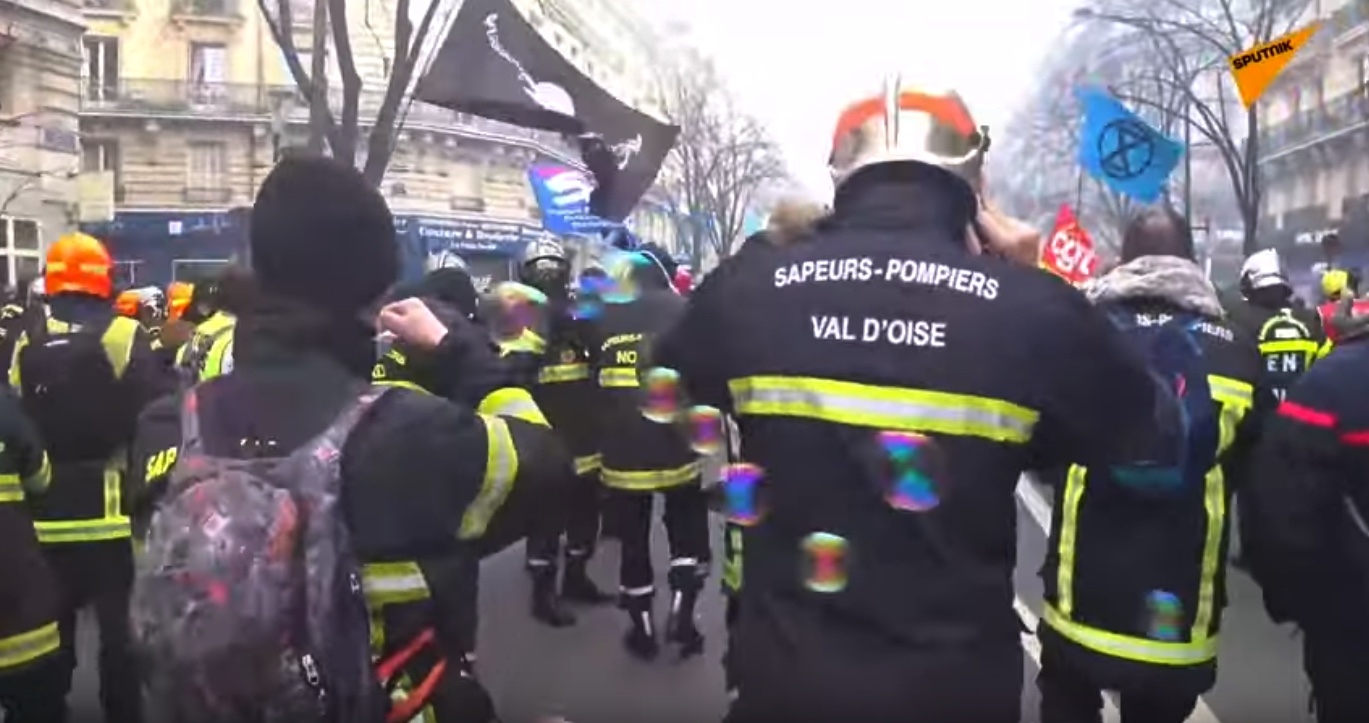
(218, 350)
(27, 647)
(1226, 390)
(650, 479)
(732, 563)
(1284, 316)
(39, 480)
(556, 373)
(1069, 533)
(864, 405)
(1214, 505)
(1325, 349)
(618, 377)
(1299, 346)
(1130, 648)
(388, 583)
(113, 526)
(401, 384)
(501, 469)
(512, 402)
(16, 379)
(527, 342)
(118, 343)
(11, 489)
(588, 463)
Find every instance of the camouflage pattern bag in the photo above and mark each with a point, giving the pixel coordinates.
(247, 604)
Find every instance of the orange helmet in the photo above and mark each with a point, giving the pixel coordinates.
(909, 124)
(126, 304)
(178, 295)
(78, 263)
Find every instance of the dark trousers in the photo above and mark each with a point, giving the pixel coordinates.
(686, 525)
(581, 525)
(35, 693)
(1335, 666)
(1067, 696)
(100, 575)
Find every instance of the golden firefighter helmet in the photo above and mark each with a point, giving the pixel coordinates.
(906, 124)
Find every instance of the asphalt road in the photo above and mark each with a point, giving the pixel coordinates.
(582, 673)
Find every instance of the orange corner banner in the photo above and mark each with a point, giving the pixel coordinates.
(1254, 69)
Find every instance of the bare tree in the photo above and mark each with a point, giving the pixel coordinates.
(342, 130)
(722, 158)
(1191, 41)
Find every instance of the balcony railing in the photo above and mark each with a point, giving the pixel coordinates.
(1341, 113)
(111, 6)
(147, 97)
(214, 194)
(205, 8)
(1349, 17)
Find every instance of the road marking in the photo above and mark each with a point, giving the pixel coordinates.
(1040, 511)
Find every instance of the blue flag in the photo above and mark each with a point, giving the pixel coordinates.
(563, 195)
(1123, 151)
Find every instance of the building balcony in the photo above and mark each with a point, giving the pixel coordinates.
(207, 195)
(151, 98)
(1353, 16)
(1337, 117)
(110, 7)
(206, 9)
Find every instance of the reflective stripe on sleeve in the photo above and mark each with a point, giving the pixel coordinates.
(388, 583)
(560, 373)
(512, 402)
(401, 384)
(11, 489)
(23, 648)
(618, 377)
(650, 479)
(588, 463)
(1226, 390)
(113, 526)
(39, 480)
(892, 408)
(501, 469)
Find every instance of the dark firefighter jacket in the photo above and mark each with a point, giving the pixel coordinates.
(1289, 339)
(11, 325)
(28, 598)
(884, 322)
(88, 500)
(637, 453)
(429, 485)
(1135, 579)
(1307, 539)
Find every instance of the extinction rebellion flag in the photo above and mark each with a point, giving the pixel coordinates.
(493, 64)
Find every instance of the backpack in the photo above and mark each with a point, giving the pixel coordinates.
(247, 602)
(1188, 450)
(71, 385)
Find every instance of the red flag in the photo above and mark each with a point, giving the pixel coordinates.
(1069, 253)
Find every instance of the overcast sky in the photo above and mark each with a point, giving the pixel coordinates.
(797, 64)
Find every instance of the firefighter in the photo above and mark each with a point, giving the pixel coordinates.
(213, 310)
(32, 672)
(641, 457)
(1288, 337)
(126, 304)
(566, 394)
(1337, 284)
(911, 327)
(428, 485)
(178, 296)
(1152, 635)
(1308, 540)
(83, 374)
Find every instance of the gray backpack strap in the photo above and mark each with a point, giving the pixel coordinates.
(326, 449)
(191, 443)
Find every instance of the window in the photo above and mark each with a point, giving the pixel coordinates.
(21, 249)
(102, 67)
(206, 173)
(208, 71)
(101, 154)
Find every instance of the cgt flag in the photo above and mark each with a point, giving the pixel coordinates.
(494, 64)
(1123, 151)
(1069, 253)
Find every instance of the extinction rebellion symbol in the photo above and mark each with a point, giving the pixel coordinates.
(1126, 149)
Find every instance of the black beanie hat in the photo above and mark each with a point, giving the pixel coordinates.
(322, 235)
(452, 285)
(663, 260)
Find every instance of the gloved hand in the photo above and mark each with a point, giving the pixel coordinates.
(1345, 323)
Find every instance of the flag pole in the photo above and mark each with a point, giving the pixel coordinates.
(1079, 191)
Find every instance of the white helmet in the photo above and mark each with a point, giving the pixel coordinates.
(904, 124)
(1263, 269)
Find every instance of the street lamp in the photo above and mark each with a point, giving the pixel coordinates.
(1150, 29)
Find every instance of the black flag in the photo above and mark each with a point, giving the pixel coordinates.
(494, 64)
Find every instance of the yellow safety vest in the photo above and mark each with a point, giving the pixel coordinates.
(117, 341)
(204, 356)
(1235, 398)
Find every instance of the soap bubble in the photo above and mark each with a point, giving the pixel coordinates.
(743, 495)
(915, 465)
(661, 402)
(589, 297)
(705, 430)
(825, 562)
(622, 268)
(515, 308)
(1165, 616)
